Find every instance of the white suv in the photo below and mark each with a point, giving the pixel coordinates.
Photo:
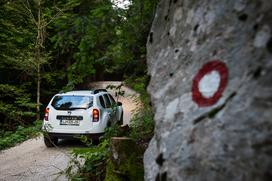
(81, 112)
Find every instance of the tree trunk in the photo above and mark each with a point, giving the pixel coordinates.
(39, 45)
(38, 93)
(40, 24)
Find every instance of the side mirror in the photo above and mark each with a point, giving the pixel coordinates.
(119, 104)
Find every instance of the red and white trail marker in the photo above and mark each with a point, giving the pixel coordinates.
(209, 83)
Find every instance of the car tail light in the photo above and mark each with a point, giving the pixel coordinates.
(95, 115)
(46, 114)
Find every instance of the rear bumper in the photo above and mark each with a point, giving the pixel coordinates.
(95, 128)
(75, 135)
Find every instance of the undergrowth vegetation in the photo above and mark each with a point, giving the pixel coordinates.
(10, 138)
(90, 163)
(142, 123)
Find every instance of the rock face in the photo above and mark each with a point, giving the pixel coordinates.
(210, 64)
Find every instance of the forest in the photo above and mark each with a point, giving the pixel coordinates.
(51, 46)
(206, 115)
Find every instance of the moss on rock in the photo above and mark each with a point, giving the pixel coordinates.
(126, 161)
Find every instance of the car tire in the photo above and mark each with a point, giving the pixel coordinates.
(121, 121)
(50, 141)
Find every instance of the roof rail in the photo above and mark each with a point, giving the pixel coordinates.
(100, 90)
(62, 91)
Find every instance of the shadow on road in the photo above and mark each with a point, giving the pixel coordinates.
(70, 143)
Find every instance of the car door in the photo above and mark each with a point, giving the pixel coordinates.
(108, 108)
(103, 111)
(115, 108)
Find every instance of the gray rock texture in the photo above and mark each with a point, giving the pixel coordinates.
(231, 138)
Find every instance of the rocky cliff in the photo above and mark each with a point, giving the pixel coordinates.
(210, 64)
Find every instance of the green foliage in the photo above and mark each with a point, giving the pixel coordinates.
(131, 169)
(84, 33)
(93, 39)
(117, 89)
(15, 107)
(9, 139)
(95, 158)
(128, 53)
(139, 84)
(129, 165)
(16, 36)
(18, 65)
(142, 123)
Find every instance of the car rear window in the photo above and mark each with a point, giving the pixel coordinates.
(72, 102)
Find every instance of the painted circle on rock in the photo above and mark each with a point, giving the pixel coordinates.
(209, 83)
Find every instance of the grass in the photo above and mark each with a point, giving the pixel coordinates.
(10, 139)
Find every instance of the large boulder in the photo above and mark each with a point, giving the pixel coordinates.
(210, 64)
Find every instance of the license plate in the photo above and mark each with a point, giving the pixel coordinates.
(69, 122)
(60, 117)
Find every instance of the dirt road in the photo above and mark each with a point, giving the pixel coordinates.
(31, 160)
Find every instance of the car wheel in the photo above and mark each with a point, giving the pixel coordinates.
(121, 122)
(50, 141)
